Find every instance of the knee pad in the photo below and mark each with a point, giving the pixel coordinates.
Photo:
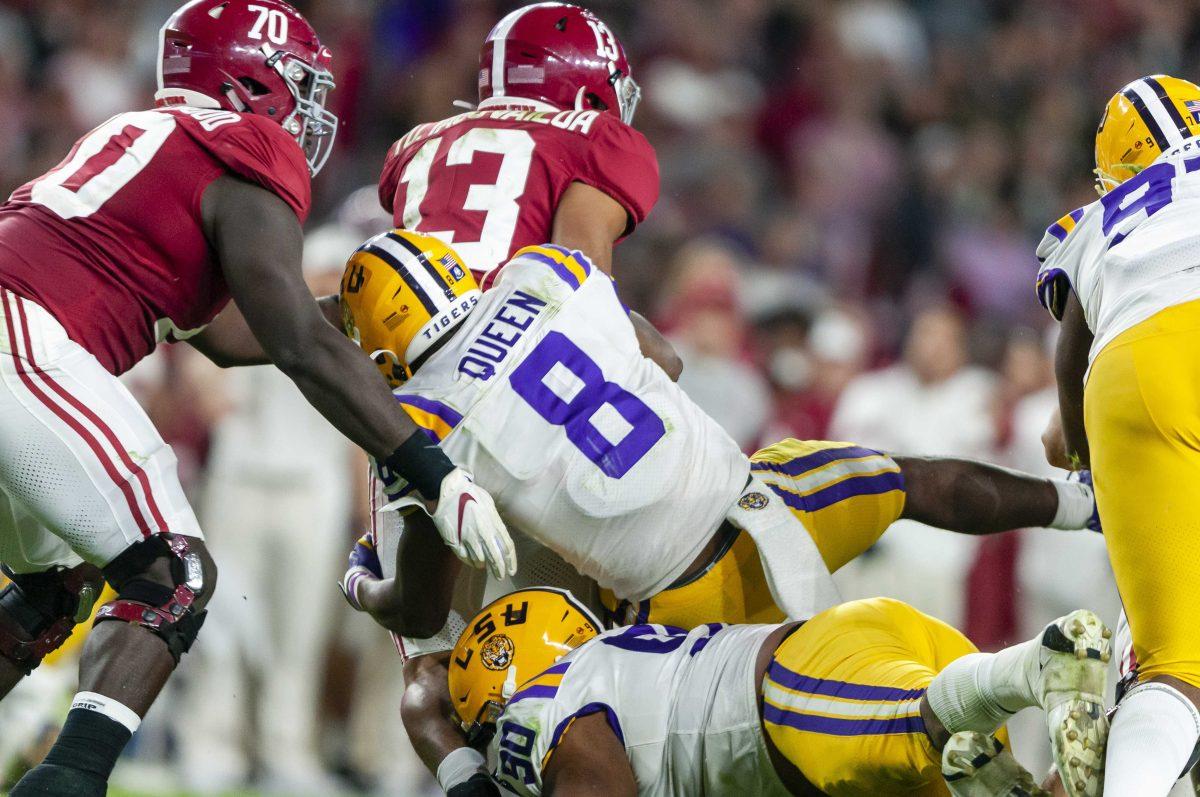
(40, 610)
(165, 610)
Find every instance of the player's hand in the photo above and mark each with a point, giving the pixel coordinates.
(467, 520)
(1054, 442)
(480, 785)
(364, 565)
(1085, 477)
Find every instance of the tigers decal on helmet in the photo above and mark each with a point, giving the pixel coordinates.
(401, 292)
(513, 645)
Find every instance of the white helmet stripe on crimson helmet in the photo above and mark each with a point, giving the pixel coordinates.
(498, 53)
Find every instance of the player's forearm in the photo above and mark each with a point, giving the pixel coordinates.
(974, 497)
(383, 601)
(425, 710)
(345, 387)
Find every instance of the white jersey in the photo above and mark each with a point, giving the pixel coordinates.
(1131, 253)
(586, 446)
(683, 704)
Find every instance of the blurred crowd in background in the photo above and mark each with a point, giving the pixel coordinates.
(852, 191)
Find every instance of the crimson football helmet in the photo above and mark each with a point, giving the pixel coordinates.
(258, 57)
(560, 54)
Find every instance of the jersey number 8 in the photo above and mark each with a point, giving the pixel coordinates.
(577, 415)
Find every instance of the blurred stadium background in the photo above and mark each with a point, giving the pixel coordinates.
(852, 193)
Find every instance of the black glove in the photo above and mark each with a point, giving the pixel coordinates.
(479, 785)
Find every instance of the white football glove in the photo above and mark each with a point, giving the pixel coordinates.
(467, 520)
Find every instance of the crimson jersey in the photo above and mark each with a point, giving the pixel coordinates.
(111, 240)
(488, 182)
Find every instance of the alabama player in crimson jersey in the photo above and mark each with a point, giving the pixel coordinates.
(143, 233)
(548, 156)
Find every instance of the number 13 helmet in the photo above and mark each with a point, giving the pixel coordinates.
(560, 54)
(1142, 120)
(511, 647)
(250, 56)
(401, 293)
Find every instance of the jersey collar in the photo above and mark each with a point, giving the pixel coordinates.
(516, 102)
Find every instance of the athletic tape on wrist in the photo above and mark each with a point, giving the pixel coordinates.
(1076, 502)
(113, 709)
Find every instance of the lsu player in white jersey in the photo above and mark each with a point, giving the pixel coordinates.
(868, 697)
(540, 390)
(1123, 277)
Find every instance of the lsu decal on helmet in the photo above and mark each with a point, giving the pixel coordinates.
(401, 292)
(511, 647)
(256, 56)
(560, 54)
(1142, 121)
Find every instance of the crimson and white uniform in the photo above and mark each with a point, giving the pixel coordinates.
(101, 258)
(489, 182)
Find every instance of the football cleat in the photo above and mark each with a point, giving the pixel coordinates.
(1074, 660)
(975, 764)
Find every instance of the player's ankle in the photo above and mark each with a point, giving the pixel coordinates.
(958, 695)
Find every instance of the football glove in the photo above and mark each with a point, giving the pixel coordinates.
(480, 785)
(1085, 477)
(364, 564)
(467, 520)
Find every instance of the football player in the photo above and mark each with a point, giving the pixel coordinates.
(1123, 276)
(869, 697)
(538, 387)
(144, 232)
(548, 155)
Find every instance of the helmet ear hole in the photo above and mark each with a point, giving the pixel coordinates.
(594, 101)
(254, 87)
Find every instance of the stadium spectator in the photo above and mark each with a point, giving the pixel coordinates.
(931, 402)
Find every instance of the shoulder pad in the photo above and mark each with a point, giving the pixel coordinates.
(1056, 234)
(571, 267)
(1053, 284)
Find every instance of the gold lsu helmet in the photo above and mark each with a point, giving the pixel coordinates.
(510, 646)
(1142, 121)
(401, 292)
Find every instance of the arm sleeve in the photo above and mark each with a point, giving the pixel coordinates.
(621, 163)
(260, 151)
